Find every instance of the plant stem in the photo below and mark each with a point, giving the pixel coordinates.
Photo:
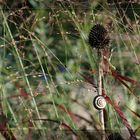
(100, 76)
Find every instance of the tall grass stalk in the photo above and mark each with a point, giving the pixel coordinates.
(100, 88)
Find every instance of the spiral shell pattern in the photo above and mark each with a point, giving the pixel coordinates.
(99, 102)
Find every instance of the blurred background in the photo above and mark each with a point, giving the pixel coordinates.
(46, 64)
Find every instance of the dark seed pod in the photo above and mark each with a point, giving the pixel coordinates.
(99, 102)
(98, 37)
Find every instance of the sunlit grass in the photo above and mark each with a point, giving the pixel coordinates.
(48, 58)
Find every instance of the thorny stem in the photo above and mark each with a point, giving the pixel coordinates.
(100, 77)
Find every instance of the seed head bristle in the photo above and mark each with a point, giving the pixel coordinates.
(98, 37)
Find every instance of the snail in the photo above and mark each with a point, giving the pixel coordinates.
(99, 102)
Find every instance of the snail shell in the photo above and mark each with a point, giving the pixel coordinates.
(99, 102)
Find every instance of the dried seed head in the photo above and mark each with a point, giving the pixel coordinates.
(98, 37)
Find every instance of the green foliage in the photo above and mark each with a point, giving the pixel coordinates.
(43, 51)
